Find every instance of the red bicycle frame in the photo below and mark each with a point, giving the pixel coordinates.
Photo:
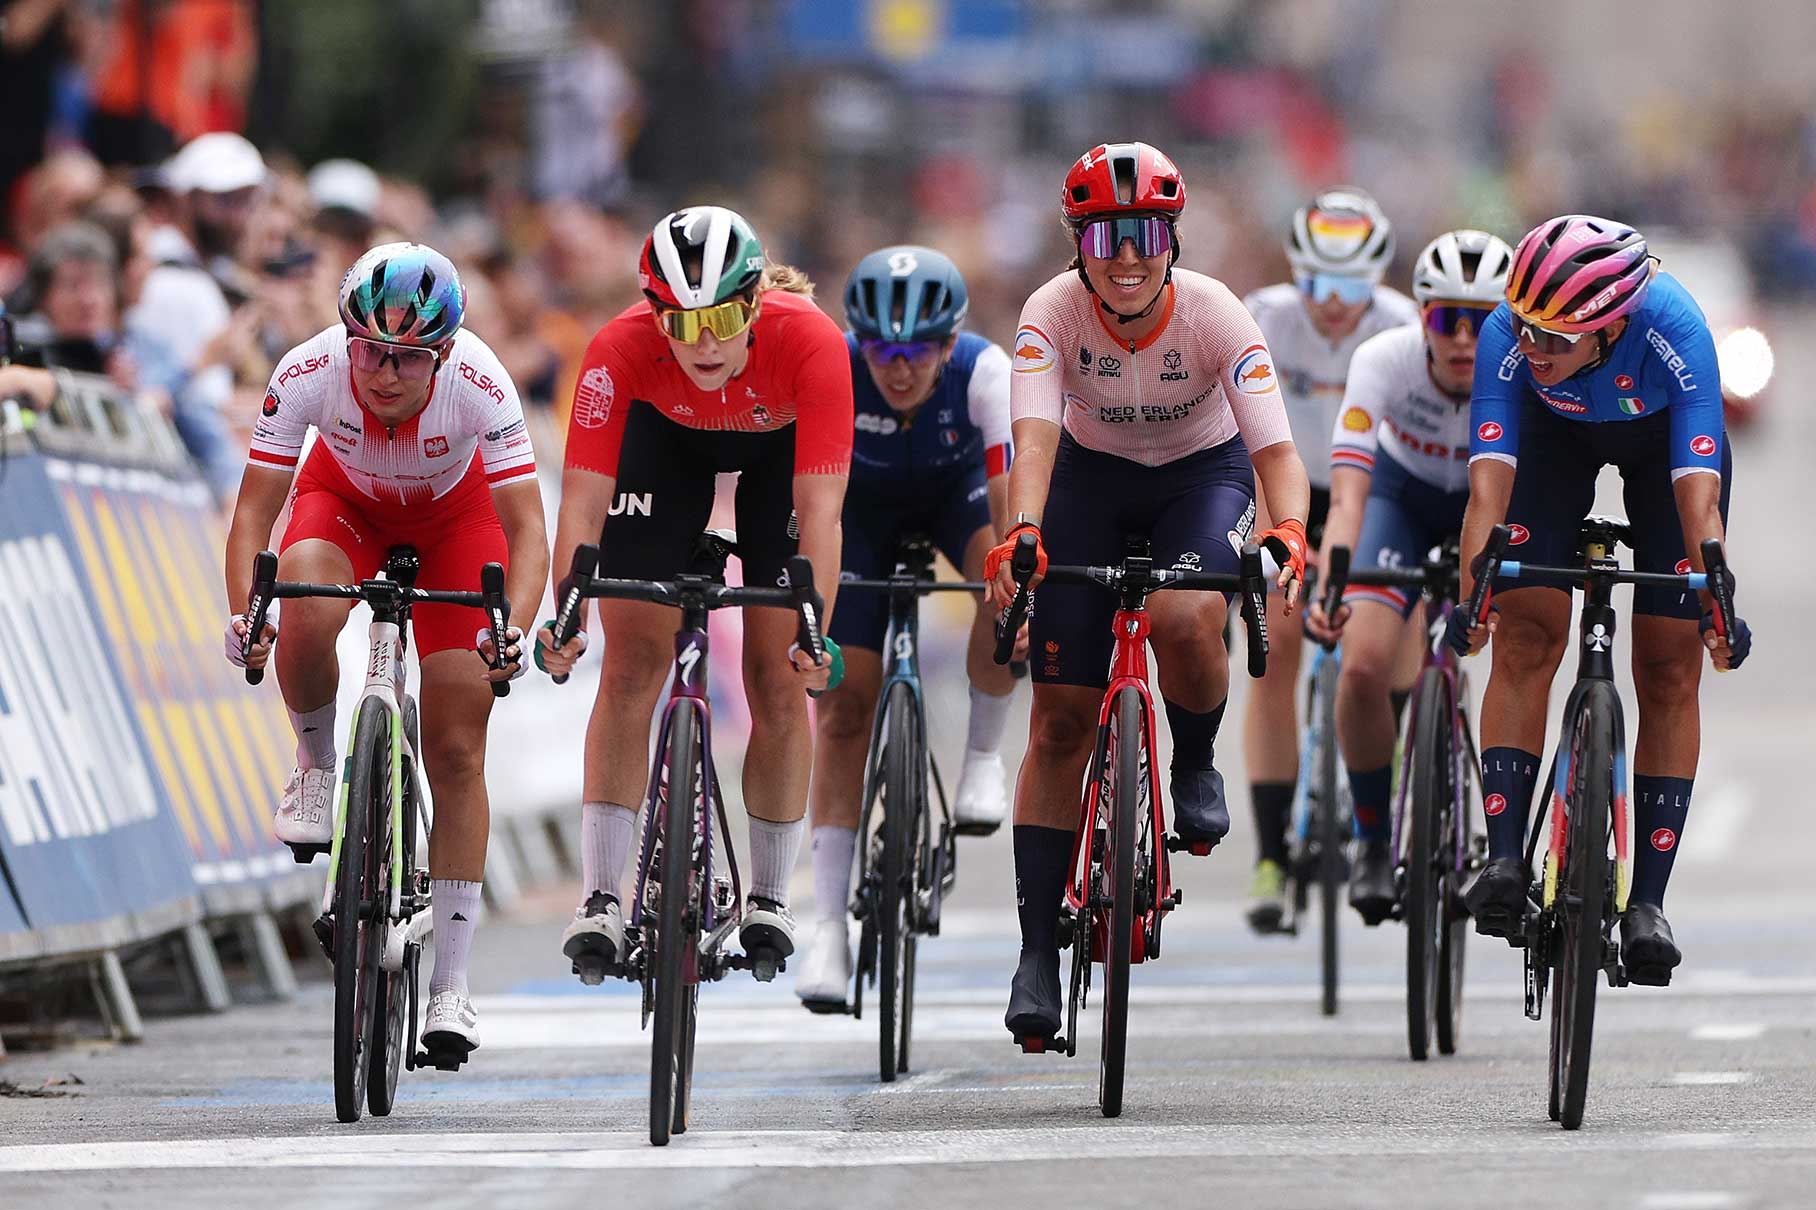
(1128, 670)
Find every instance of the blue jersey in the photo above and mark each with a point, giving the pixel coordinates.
(963, 424)
(1664, 361)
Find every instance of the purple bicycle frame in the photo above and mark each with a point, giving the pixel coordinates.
(1438, 655)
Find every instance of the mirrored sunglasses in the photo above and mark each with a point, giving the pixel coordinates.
(1446, 319)
(1102, 238)
(724, 320)
(1347, 289)
(915, 352)
(412, 362)
(1544, 340)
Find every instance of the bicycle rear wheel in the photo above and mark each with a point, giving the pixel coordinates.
(391, 1004)
(1582, 892)
(902, 808)
(358, 907)
(676, 945)
(1425, 884)
(1328, 823)
(1453, 845)
(1123, 782)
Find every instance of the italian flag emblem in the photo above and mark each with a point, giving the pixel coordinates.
(1633, 405)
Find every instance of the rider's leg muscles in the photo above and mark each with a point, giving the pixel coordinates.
(1667, 667)
(308, 673)
(1061, 729)
(1527, 646)
(842, 724)
(456, 702)
(1409, 663)
(1365, 722)
(1270, 734)
(638, 639)
(779, 757)
(1194, 672)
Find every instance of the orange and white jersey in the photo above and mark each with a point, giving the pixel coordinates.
(1201, 377)
(473, 411)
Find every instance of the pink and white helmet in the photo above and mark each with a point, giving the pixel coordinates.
(1578, 273)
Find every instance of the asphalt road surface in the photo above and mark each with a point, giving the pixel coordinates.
(1238, 1089)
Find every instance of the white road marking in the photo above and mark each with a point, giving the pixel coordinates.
(1689, 1200)
(1727, 1032)
(1719, 817)
(1695, 1079)
(833, 1149)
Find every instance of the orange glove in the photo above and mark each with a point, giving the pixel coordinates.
(1003, 551)
(1287, 542)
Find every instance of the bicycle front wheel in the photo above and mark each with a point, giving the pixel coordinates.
(359, 908)
(903, 809)
(1329, 825)
(676, 944)
(391, 1004)
(1425, 883)
(1123, 805)
(1582, 895)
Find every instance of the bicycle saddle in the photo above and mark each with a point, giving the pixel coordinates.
(711, 549)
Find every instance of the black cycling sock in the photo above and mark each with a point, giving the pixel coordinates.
(1660, 805)
(1508, 776)
(1273, 805)
(1369, 791)
(1399, 698)
(1041, 858)
(1194, 735)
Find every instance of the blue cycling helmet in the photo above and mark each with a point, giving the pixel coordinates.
(403, 294)
(905, 293)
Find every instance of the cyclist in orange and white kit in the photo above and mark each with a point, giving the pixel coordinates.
(1339, 247)
(1144, 402)
(420, 439)
(727, 366)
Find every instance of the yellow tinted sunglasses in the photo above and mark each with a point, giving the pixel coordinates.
(724, 320)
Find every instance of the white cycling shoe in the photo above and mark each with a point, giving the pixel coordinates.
(982, 798)
(825, 979)
(594, 942)
(450, 1029)
(305, 820)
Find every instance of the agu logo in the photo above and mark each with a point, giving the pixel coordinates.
(1664, 840)
(1702, 446)
(1254, 372)
(1494, 804)
(1518, 535)
(1489, 431)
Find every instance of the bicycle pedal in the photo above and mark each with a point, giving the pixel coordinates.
(1197, 848)
(827, 1008)
(304, 854)
(766, 964)
(1644, 975)
(1034, 1044)
(442, 1058)
(323, 928)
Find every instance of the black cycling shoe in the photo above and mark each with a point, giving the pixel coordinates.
(1371, 886)
(1201, 818)
(1497, 898)
(1648, 950)
(1034, 998)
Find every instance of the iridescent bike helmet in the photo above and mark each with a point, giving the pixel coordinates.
(1578, 273)
(403, 294)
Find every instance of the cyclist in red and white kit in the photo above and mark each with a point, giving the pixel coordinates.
(728, 366)
(1144, 403)
(420, 440)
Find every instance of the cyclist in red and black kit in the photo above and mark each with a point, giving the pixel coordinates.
(727, 366)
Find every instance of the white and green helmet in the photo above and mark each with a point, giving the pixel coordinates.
(700, 256)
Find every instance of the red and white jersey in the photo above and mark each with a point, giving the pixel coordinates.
(1198, 379)
(473, 409)
(1392, 405)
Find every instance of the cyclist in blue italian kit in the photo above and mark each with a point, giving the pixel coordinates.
(930, 455)
(1596, 358)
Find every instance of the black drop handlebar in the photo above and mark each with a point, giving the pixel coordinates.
(1135, 579)
(266, 588)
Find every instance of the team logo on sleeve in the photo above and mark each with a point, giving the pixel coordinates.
(1255, 371)
(1702, 446)
(593, 399)
(1489, 431)
(1357, 421)
(1033, 350)
(270, 405)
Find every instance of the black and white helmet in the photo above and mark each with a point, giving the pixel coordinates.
(1340, 231)
(1463, 266)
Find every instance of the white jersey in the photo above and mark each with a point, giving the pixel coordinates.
(1312, 370)
(1393, 405)
(473, 409)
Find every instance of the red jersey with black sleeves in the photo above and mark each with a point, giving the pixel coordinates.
(799, 373)
(473, 414)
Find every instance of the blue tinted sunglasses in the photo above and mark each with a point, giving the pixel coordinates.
(1348, 289)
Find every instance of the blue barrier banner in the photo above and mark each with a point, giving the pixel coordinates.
(88, 838)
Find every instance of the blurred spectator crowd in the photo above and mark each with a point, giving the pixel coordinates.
(143, 236)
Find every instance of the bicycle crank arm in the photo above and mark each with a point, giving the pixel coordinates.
(419, 929)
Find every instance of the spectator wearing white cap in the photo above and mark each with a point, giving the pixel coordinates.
(344, 195)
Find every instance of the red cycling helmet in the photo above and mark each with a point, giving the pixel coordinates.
(1122, 178)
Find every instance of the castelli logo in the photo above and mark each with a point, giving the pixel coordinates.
(1702, 446)
(1490, 431)
(1517, 535)
(1623, 382)
(1494, 804)
(1683, 567)
(1664, 840)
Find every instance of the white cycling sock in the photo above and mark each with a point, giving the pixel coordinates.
(606, 832)
(314, 737)
(773, 849)
(456, 916)
(833, 848)
(989, 717)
